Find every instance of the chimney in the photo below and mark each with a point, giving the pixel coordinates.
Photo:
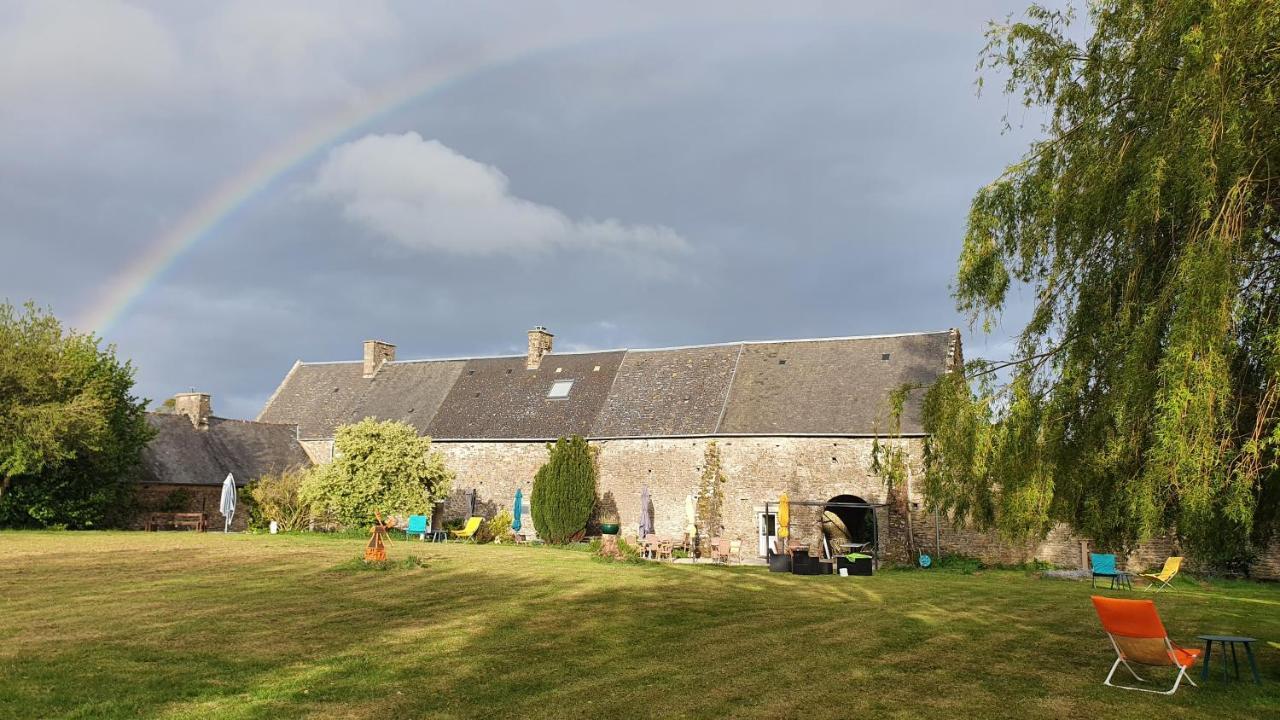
(955, 352)
(539, 345)
(196, 406)
(377, 352)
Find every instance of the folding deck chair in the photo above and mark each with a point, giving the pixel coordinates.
(1139, 637)
(1159, 581)
(417, 526)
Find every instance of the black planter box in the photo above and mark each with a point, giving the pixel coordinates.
(779, 563)
(861, 566)
(805, 564)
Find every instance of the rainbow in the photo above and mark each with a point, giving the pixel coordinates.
(202, 221)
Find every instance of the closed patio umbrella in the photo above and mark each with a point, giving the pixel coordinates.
(227, 505)
(784, 516)
(471, 503)
(515, 511)
(646, 519)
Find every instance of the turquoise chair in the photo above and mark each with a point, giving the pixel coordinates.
(417, 526)
(1104, 566)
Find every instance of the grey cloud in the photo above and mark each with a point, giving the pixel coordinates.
(814, 161)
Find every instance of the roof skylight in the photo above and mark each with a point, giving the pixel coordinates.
(560, 389)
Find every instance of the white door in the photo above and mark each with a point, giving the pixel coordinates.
(767, 525)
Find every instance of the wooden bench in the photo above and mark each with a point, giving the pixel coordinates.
(194, 521)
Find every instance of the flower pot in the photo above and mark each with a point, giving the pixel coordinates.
(609, 528)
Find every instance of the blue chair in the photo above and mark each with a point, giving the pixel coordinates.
(1104, 566)
(418, 525)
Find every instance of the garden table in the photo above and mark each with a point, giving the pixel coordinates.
(1223, 641)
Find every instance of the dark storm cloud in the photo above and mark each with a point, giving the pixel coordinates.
(815, 166)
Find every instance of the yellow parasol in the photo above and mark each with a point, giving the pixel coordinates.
(784, 515)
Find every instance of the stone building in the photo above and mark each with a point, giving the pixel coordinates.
(793, 416)
(184, 466)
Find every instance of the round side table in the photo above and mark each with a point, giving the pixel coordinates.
(1223, 641)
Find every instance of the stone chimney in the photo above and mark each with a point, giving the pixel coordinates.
(539, 345)
(196, 406)
(955, 352)
(377, 352)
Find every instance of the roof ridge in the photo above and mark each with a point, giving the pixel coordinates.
(465, 358)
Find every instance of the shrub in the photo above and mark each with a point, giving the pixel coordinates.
(378, 467)
(278, 497)
(496, 529)
(564, 490)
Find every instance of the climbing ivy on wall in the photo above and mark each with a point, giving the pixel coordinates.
(710, 505)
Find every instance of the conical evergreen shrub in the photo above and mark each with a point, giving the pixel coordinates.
(564, 490)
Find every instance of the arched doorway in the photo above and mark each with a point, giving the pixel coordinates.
(848, 519)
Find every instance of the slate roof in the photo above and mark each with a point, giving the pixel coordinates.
(830, 386)
(500, 398)
(180, 454)
(669, 392)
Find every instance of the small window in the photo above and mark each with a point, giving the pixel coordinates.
(884, 356)
(782, 362)
(560, 389)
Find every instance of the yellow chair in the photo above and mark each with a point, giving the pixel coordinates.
(1159, 581)
(468, 532)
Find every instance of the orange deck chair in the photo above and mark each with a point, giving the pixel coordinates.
(1138, 636)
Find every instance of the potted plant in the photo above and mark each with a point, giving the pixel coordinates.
(609, 523)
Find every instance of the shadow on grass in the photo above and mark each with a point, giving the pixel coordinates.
(255, 630)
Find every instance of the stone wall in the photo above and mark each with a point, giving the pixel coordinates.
(153, 497)
(320, 451)
(758, 469)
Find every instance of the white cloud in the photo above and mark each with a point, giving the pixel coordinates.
(425, 196)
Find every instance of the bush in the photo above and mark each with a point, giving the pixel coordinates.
(497, 529)
(381, 467)
(278, 497)
(564, 490)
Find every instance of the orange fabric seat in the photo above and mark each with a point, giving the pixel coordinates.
(1138, 636)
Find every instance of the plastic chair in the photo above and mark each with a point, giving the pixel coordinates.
(1159, 581)
(417, 526)
(1139, 637)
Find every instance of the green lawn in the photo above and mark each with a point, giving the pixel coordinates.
(178, 625)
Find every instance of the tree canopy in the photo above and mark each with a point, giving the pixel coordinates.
(70, 429)
(377, 466)
(1144, 391)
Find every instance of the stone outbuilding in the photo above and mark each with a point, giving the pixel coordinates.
(794, 416)
(184, 466)
(789, 416)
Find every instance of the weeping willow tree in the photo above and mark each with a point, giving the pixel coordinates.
(1143, 394)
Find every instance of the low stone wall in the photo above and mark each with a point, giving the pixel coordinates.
(199, 498)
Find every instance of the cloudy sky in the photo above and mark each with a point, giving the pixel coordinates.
(222, 188)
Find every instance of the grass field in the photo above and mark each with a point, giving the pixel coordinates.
(179, 625)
